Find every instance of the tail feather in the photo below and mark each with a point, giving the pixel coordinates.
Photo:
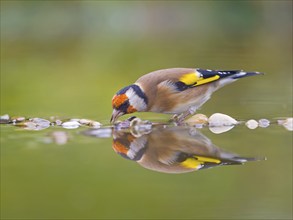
(241, 74)
(227, 77)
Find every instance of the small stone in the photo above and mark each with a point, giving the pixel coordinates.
(58, 122)
(71, 124)
(198, 119)
(219, 120)
(119, 125)
(252, 124)
(287, 123)
(29, 125)
(264, 123)
(84, 121)
(4, 119)
(90, 123)
(17, 119)
(95, 124)
(41, 123)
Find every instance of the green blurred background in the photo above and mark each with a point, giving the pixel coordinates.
(68, 58)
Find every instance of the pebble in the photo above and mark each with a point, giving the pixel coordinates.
(219, 120)
(90, 123)
(198, 119)
(29, 125)
(287, 123)
(264, 123)
(17, 119)
(71, 124)
(95, 124)
(84, 121)
(252, 124)
(58, 122)
(41, 121)
(35, 124)
(4, 119)
(119, 125)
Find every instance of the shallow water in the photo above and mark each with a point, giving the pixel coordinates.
(68, 58)
(92, 175)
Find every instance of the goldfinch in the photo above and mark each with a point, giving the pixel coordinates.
(172, 91)
(173, 150)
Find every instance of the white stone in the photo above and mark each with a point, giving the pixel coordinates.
(263, 123)
(70, 125)
(252, 124)
(219, 119)
(287, 123)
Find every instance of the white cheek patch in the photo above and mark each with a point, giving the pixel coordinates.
(137, 102)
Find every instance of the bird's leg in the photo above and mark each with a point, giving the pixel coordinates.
(179, 119)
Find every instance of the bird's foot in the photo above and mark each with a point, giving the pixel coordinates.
(179, 119)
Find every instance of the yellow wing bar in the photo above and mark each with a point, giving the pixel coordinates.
(196, 79)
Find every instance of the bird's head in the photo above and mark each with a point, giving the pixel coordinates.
(128, 100)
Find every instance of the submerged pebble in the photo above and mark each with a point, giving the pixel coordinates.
(252, 124)
(219, 120)
(264, 123)
(287, 123)
(71, 124)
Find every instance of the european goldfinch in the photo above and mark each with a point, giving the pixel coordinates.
(173, 150)
(172, 91)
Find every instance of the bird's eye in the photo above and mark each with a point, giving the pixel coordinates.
(118, 100)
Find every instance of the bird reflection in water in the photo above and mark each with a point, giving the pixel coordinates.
(173, 150)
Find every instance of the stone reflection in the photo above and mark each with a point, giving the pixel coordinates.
(172, 150)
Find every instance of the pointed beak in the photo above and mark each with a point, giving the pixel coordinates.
(115, 115)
